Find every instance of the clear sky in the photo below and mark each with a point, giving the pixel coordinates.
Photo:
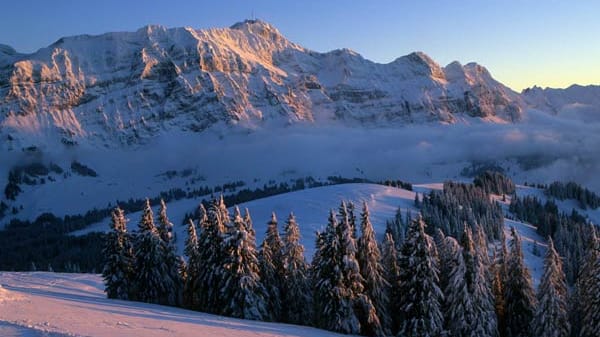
(523, 43)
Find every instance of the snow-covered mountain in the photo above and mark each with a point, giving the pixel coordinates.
(576, 101)
(123, 88)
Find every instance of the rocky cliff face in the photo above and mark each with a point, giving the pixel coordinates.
(123, 88)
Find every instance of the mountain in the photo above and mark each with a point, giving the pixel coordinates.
(124, 88)
(575, 101)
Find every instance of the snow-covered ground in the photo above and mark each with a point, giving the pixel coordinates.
(56, 305)
(311, 208)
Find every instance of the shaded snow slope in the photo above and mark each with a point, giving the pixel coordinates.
(57, 305)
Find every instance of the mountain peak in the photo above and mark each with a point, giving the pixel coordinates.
(258, 27)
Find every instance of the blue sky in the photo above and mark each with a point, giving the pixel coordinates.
(547, 43)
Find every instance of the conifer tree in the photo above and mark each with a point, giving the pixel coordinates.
(270, 261)
(152, 279)
(170, 258)
(446, 247)
(551, 317)
(392, 277)
(364, 310)
(241, 291)
(518, 293)
(420, 296)
(210, 248)
(165, 227)
(371, 269)
(484, 322)
(118, 254)
(249, 225)
(296, 299)
(498, 284)
(333, 299)
(352, 218)
(459, 307)
(588, 289)
(191, 289)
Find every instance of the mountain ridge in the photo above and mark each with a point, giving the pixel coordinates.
(122, 88)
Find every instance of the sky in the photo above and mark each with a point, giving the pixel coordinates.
(523, 43)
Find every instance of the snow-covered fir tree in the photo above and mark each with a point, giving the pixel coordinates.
(242, 293)
(588, 289)
(499, 276)
(371, 269)
(165, 227)
(551, 316)
(297, 297)
(191, 291)
(249, 225)
(391, 274)
(210, 248)
(364, 309)
(118, 255)
(334, 302)
(171, 259)
(420, 312)
(270, 261)
(352, 218)
(153, 283)
(484, 323)
(459, 306)
(446, 247)
(519, 296)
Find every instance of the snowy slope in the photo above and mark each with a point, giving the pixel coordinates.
(57, 305)
(311, 208)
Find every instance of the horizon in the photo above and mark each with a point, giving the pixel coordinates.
(522, 44)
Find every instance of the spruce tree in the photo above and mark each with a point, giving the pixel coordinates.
(363, 307)
(499, 276)
(191, 292)
(210, 248)
(392, 277)
(170, 258)
(165, 227)
(152, 279)
(420, 296)
(242, 293)
(484, 322)
(459, 306)
(296, 299)
(518, 293)
(118, 265)
(551, 317)
(270, 261)
(588, 289)
(371, 269)
(334, 307)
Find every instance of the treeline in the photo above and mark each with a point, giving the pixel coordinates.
(569, 231)
(354, 285)
(459, 204)
(495, 183)
(44, 245)
(42, 242)
(571, 190)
